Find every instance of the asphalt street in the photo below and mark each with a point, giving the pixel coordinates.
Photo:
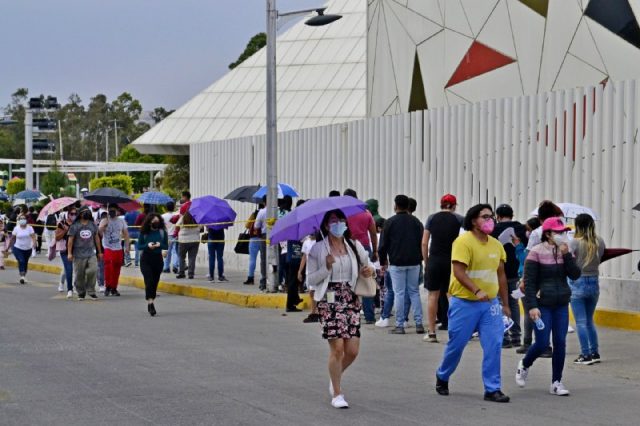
(107, 362)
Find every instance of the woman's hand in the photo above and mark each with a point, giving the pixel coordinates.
(366, 271)
(564, 249)
(151, 246)
(299, 276)
(534, 314)
(330, 261)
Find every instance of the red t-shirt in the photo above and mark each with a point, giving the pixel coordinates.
(359, 225)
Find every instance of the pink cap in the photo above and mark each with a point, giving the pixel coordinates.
(554, 224)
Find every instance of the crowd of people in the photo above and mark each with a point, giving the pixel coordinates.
(477, 269)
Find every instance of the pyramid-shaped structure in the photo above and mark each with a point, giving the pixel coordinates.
(321, 79)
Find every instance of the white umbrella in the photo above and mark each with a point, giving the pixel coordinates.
(571, 210)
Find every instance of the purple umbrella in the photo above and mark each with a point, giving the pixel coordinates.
(306, 219)
(210, 209)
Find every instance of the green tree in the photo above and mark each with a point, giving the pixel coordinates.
(72, 118)
(130, 155)
(15, 185)
(176, 175)
(159, 113)
(122, 182)
(53, 183)
(256, 43)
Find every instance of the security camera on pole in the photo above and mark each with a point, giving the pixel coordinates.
(272, 131)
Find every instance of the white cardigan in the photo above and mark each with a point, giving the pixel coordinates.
(318, 275)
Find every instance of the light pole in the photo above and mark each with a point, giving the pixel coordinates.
(28, 149)
(273, 254)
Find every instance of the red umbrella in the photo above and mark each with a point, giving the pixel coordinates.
(610, 253)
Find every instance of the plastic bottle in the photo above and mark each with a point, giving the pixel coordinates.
(539, 324)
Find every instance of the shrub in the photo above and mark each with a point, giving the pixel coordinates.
(122, 182)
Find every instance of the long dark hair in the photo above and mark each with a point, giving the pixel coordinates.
(146, 226)
(187, 219)
(324, 228)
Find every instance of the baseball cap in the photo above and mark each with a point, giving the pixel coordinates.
(504, 210)
(554, 224)
(449, 199)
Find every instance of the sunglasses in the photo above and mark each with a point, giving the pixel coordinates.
(487, 216)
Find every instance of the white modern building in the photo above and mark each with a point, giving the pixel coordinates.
(493, 100)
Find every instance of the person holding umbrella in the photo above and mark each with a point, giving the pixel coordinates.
(151, 242)
(334, 265)
(23, 241)
(83, 245)
(113, 230)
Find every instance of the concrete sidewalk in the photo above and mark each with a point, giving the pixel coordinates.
(232, 291)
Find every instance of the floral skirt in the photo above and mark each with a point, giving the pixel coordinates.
(341, 319)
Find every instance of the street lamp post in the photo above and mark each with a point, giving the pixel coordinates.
(273, 252)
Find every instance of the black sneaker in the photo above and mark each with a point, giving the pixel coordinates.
(294, 309)
(151, 309)
(496, 396)
(311, 318)
(596, 358)
(547, 353)
(94, 296)
(584, 360)
(80, 297)
(420, 329)
(249, 281)
(115, 292)
(443, 327)
(442, 387)
(222, 279)
(107, 292)
(369, 322)
(180, 276)
(523, 349)
(175, 270)
(397, 330)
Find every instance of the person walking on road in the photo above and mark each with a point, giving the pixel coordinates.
(400, 251)
(547, 296)
(113, 230)
(440, 231)
(23, 241)
(83, 246)
(152, 240)
(333, 266)
(62, 238)
(588, 249)
(478, 278)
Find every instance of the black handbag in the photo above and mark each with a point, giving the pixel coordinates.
(242, 246)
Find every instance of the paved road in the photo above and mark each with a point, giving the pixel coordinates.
(107, 362)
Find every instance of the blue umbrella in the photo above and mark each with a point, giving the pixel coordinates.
(154, 197)
(306, 219)
(283, 189)
(210, 209)
(28, 195)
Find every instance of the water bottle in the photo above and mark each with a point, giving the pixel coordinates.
(539, 324)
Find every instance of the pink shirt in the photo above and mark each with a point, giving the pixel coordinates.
(359, 225)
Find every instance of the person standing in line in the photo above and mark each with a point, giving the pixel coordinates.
(547, 297)
(23, 242)
(588, 249)
(189, 243)
(215, 248)
(62, 239)
(518, 233)
(83, 246)
(260, 226)
(171, 260)
(334, 265)
(363, 229)
(130, 218)
(113, 230)
(153, 239)
(255, 248)
(4, 239)
(440, 231)
(185, 202)
(400, 249)
(478, 278)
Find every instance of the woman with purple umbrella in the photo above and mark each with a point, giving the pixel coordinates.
(334, 265)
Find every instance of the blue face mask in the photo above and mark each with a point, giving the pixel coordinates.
(338, 229)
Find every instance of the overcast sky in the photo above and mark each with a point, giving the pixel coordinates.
(161, 51)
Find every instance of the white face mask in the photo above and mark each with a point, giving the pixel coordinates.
(560, 239)
(22, 222)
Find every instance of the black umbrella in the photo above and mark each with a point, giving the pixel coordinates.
(108, 196)
(243, 194)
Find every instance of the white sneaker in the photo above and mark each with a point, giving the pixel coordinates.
(69, 294)
(521, 374)
(557, 388)
(339, 402)
(382, 322)
(571, 330)
(60, 288)
(101, 289)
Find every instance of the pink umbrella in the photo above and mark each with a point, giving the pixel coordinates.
(55, 206)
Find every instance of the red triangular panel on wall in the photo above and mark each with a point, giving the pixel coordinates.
(478, 60)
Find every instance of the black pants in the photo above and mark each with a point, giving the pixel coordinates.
(189, 250)
(443, 309)
(293, 298)
(151, 265)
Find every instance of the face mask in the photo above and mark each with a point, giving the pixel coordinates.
(528, 234)
(155, 225)
(488, 226)
(560, 239)
(338, 229)
(112, 214)
(22, 222)
(87, 216)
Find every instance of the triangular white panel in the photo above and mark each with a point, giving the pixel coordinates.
(478, 12)
(497, 32)
(562, 22)
(528, 33)
(454, 17)
(431, 54)
(383, 86)
(454, 98)
(416, 26)
(575, 73)
(456, 46)
(430, 9)
(583, 46)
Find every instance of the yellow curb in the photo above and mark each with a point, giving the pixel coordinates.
(245, 300)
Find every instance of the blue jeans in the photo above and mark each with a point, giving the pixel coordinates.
(388, 296)
(68, 270)
(405, 279)
(216, 252)
(257, 245)
(465, 317)
(584, 298)
(556, 321)
(22, 256)
(172, 259)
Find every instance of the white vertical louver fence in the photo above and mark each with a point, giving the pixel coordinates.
(577, 145)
